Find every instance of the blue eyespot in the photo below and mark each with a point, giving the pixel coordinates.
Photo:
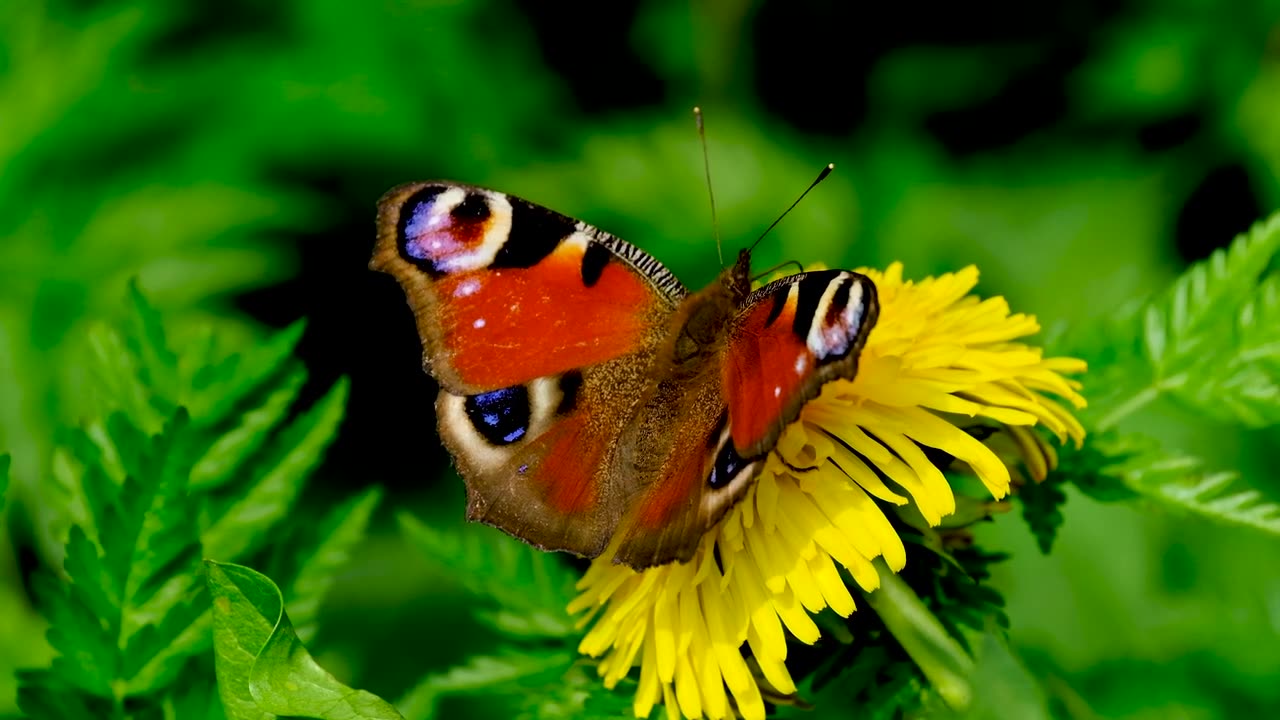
(501, 416)
(728, 464)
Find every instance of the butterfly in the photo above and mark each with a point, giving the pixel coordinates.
(590, 400)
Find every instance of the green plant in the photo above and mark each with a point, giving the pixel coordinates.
(194, 454)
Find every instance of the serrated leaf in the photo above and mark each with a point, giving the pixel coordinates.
(1241, 382)
(295, 452)
(217, 391)
(229, 452)
(1212, 341)
(1181, 484)
(88, 657)
(263, 670)
(1042, 509)
(1122, 467)
(482, 673)
(340, 532)
(157, 363)
(530, 588)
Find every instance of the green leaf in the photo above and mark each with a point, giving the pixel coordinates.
(293, 454)
(115, 615)
(1042, 509)
(341, 530)
(530, 588)
(263, 670)
(1123, 467)
(231, 450)
(218, 389)
(1211, 341)
(1181, 483)
(1243, 383)
(511, 672)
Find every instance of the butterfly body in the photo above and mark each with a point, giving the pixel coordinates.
(586, 396)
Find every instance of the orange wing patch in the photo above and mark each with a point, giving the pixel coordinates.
(502, 327)
(793, 336)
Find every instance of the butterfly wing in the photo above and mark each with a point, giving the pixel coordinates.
(787, 340)
(539, 329)
(505, 291)
(791, 337)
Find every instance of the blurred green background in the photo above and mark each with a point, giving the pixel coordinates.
(230, 155)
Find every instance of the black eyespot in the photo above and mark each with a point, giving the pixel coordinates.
(501, 416)
(728, 465)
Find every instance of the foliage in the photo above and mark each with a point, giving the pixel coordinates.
(263, 669)
(187, 146)
(1212, 342)
(129, 614)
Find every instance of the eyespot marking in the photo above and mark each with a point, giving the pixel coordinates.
(727, 466)
(501, 416)
(443, 229)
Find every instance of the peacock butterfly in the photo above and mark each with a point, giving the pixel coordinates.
(585, 394)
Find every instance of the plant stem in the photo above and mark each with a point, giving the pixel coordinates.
(946, 664)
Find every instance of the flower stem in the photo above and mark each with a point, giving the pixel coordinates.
(947, 666)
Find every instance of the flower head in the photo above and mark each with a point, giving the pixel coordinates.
(938, 362)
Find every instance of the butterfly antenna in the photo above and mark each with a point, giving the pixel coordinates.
(706, 166)
(821, 176)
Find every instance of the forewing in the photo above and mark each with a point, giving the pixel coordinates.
(505, 291)
(790, 338)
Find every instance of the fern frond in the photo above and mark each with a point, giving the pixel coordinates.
(1124, 467)
(242, 526)
(1211, 341)
(124, 582)
(133, 616)
(1182, 484)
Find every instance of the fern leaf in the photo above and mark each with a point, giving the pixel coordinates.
(115, 612)
(530, 588)
(1123, 467)
(220, 462)
(135, 612)
(338, 534)
(218, 389)
(1211, 341)
(1180, 483)
(295, 452)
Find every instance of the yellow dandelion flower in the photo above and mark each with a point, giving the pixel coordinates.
(938, 360)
